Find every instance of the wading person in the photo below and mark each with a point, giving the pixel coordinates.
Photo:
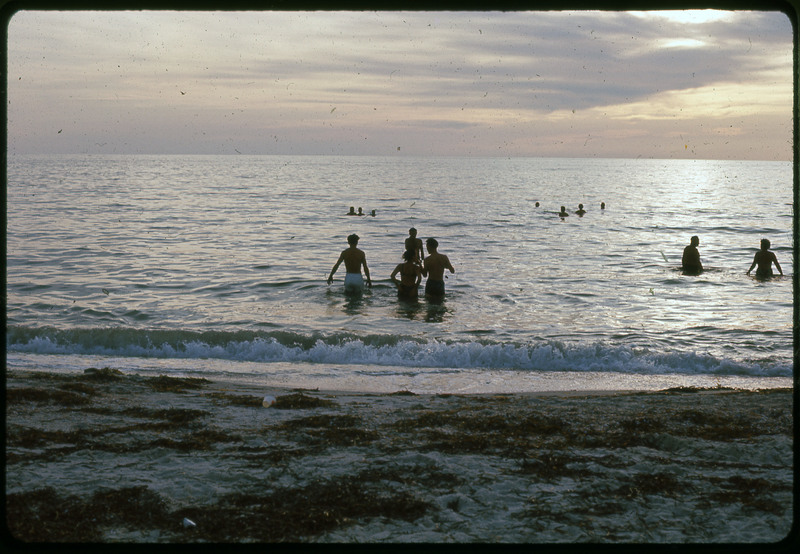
(410, 277)
(433, 269)
(414, 245)
(353, 259)
(764, 260)
(690, 262)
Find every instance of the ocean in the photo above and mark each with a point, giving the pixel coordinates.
(216, 267)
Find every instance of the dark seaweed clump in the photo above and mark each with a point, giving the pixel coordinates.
(286, 514)
(331, 430)
(300, 400)
(44, 516)
(46, 396)
(104, 375)
(163, 383)
(290, 514)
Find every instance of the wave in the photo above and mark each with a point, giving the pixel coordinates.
(377, 350)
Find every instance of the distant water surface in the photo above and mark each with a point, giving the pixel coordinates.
(216, 266)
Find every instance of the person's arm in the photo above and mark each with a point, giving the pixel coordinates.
(449, 265)
(424, 269)
(775, 260)
(335, 267)
(419, 276)
(393, 276)
(366, 271)
(755, 260)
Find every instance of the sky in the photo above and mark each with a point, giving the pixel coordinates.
(695, 84)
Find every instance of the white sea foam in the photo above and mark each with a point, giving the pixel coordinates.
(544, 357)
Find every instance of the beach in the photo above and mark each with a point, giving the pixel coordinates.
(110, 456)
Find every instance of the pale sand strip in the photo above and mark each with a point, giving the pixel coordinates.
(106, 457)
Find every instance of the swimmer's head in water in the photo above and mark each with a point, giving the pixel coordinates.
(580, 206)
(765, 244)
(352, 240)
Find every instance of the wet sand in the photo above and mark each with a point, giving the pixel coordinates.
(106, 456)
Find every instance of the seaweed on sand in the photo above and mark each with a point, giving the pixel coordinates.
(321, 421)
(459, 431)
(44, 396)
(82, 388)
(178, 417)
(104, 375)
(506, 423)
(750, 492)
(291, 514)
(299, 401)
(44, 516)
(642, 484)
(402, 393)
(332, 430)
(164, 383)
(236, 399)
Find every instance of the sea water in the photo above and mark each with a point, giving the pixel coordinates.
(216, 266)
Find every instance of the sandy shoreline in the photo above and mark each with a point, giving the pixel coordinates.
(107, 457)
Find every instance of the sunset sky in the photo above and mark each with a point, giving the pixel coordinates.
(703, 84)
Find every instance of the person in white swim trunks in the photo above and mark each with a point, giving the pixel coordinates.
(353, 259)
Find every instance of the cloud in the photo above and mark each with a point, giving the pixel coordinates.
(185, 81)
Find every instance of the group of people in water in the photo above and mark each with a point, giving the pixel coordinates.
(415, 266)
(579, 212)
(360, 211)
(691, 265)
(411, 271)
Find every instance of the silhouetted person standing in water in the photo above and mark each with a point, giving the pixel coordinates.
(764, 259)
(433, 269)
(691, 258)
(353, 259)
(414, 245)
(410, 277)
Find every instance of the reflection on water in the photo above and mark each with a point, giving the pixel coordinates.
(437, 311)
(431, 310)
(351, 303)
